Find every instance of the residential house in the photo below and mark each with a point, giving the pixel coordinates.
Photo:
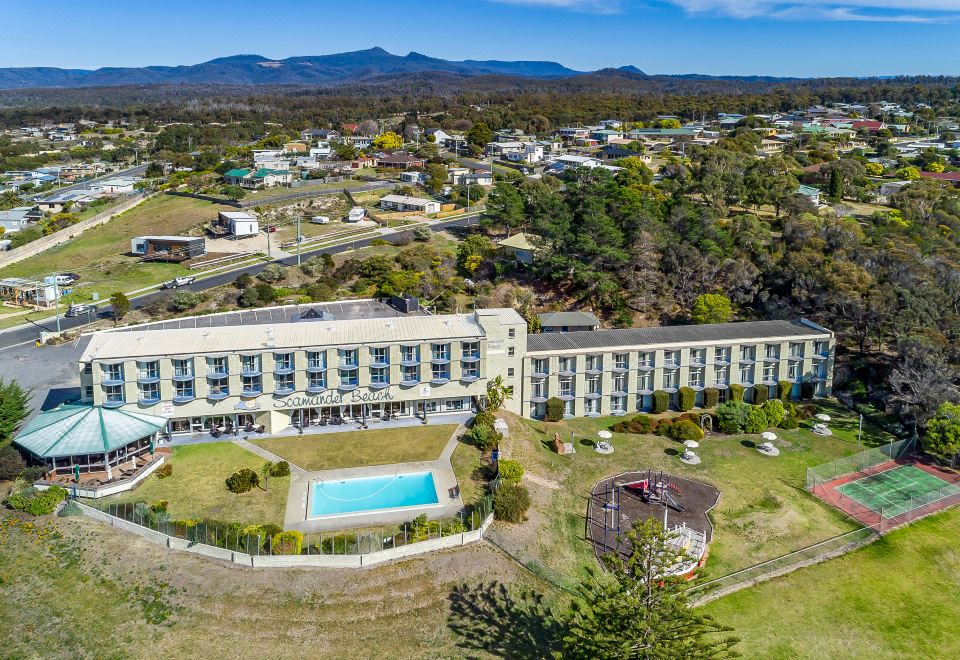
(570, 133)
(21, 217)
(238, 223)
(517, 248)
(400, 160)
(407, 203)
(951, 177)
(118, 186)
(168, 248)
(568, 321)
(320, 134)
(516, 152)
(811, 193)
(262, 178)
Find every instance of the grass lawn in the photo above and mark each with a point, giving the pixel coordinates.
(330, 451)
(196, 489)
(895, 598)
(763, 512)
(466, 464)
(99, 255)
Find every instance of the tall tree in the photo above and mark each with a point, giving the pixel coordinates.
(13, 408)
(120, 304)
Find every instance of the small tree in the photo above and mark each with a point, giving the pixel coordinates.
(685, 430)
(13, 408)
(784, 389)
(234, 192)
(756, 420)
(711, 308)
(686, 398)
(760, 394)
(661, 401)
(774, 411)
(555, 408)
(736, 392)
(273, 273)
(121, 306)
(243, 481)
(711, 396)
(943, 431)
(11, 463)
(498, 393)
(511, 502)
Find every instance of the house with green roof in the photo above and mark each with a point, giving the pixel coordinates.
(260, 178)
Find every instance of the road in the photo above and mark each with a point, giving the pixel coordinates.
(133, 171)
(30, 332)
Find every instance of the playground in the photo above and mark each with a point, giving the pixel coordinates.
(681, 504)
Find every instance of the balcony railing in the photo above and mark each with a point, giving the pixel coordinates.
(113, 403)
(218, 394)
(148, 378)
(147, 400)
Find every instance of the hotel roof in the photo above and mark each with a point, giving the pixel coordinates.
(672, 335)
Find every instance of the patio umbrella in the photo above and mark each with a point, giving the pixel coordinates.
(691, 444)
(823, 417)
(768, 435)
(152, 447)
(76, 472)
(606, 435)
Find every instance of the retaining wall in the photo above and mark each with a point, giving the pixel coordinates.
(290, 561)
(109, 489)
(59, 237)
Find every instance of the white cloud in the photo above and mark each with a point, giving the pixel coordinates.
(900, 11)
(585, 6)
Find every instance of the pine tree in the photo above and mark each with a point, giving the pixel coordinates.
(636, 612)
(13, 408)
(836, 185)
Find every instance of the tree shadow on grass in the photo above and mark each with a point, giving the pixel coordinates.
(489, 619)
(749, 444)
(586, 443)
(670, 451)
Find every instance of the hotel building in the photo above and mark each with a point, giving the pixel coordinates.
(312, 366)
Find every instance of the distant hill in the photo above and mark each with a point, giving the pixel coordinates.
(321, 70)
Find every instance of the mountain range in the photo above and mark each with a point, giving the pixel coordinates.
(321, 70)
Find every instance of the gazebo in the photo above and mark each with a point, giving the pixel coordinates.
(89, 438)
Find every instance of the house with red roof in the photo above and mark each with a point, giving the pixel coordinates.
(869, 125)
(952, 177)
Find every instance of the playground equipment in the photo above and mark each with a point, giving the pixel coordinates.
(659, 491)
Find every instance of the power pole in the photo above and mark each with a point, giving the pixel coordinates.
(299, 245)
(56, 300)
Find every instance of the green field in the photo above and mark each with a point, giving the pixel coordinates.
(330, 451)
(197, 490)
(100, 255)
(895, 598)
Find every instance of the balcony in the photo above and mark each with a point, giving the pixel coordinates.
(646, 366)
(283, 388)
(621, 368)
(771, 358)
(470, 357)
(540, 374)
(698, 361)
(469, 378)
(250, 373)
(566, 396)
(538, 399)
(409, 361)
(671, 364)
(183, 377)
(113, 403)
(380, 363)
(645, 391)
(439, 359)
(218, 395)
(316, 388)
(217, 372)
(593, 371)
(348, 365)
(593, 395)
(183, 398)
(316, 367)
(592, 413)
(251, 391)
(696, 387)
(618, 412)
(281, 370)
(619, 391)
(146, 401)
(379, 384)
(747, 360)
(795, 358)
(566, 373)
(821, 356)
(347, 385)
(147, 379)
(722, 361)
(409, 382)
(721, 386)
(110, 382)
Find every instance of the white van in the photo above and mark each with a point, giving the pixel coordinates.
(320, 220)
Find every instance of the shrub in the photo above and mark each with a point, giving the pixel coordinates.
(280, 469)
(791, 418)
(37, 502)
(69, 510)
(422, 234)
(484, 418)
(273, 273)
(32, 473)
(664, 427)
(661, 401)
(756, 420)
(686, 398)
(11, 463)
(184, 300)
(760, 394)
(164, 470)
(711, 397)
(686, 430)
(736, 392)
(243, 481)
(784, 388)
(642, 424)
(510, 471)
(732, 416)
(555, 408)
(774, 411)
(159, 505)
(806, 390)
(287, 543)
(510, 503)
(485, 437)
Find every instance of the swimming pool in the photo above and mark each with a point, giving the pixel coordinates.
(363, 494)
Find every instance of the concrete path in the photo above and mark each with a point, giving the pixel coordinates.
(267, 455)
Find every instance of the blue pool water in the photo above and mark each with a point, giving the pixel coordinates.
(390, 491)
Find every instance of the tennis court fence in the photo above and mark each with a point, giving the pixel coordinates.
(858, 463)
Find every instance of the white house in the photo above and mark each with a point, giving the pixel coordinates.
(240, 224)
(571, 160)
(516, 152)
(407, 203)
(118, 186)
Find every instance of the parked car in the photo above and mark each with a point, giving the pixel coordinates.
(320, 220)
(77, 309)
(271, 228)
(177, 282)
(67, 278)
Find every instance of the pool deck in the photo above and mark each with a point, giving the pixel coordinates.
(297, 513)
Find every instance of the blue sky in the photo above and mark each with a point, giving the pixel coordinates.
(772, 37)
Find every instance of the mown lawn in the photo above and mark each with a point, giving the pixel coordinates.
(467, 467)
(100, 255)
(763, 512)
(331, 451)
(197, 489)
(895, 598)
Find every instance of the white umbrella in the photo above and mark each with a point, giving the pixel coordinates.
(823, 417)
(606, 435)
(691, 444)
(768, 435)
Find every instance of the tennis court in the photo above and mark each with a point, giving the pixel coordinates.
(897, 491)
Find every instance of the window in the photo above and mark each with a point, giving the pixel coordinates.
(512, 333)
(721, 354)
(348, 377)
(796, 350)
(470, 349)
(409, 353)
(772, 352)
(822, 348)
(769, 373)
(568, 408)
(470, 370)
(380, 376)
(347, 357)
(568, 364)
(316, 360)
(113, 394)
(183, 390)
(696, 377)
(149, 392)
(567, 385)
(618, 404)
(539, 388)
(88, 368)
(591, 407)
(594, 363)
(251, 385)
(317, 381)
(620, 382)
(795, 371)
(440, 372)
(183, 368)
(746, 374)
(88, 392)
(646, 360)
(644, 381)
(282, 362)
(113, 373)
(380, 356)
(454, 404)
(748, 353)
(250, 364)
(217, 365)
(219, 387)
(440, 351)
(698, 356)
(671, 378)
(541, 366)
(148, 370)
(283, 383)
(510, 351)
(721, 376)
(410, 374)
(671, 358)
(509, 372)
(621, 361)
(593, 384)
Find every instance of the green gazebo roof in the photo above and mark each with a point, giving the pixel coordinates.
(76, 429)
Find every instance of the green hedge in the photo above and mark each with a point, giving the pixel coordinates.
(640, 424)
(511, 502)
(554, 409)
(287, 543)
(784, 387)
(736, 392)
(686, 430)
(510, 471)
(686, 398)
(37, 502)
(661, 401)
(760, 394)
(243, 481)
(711, 397)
